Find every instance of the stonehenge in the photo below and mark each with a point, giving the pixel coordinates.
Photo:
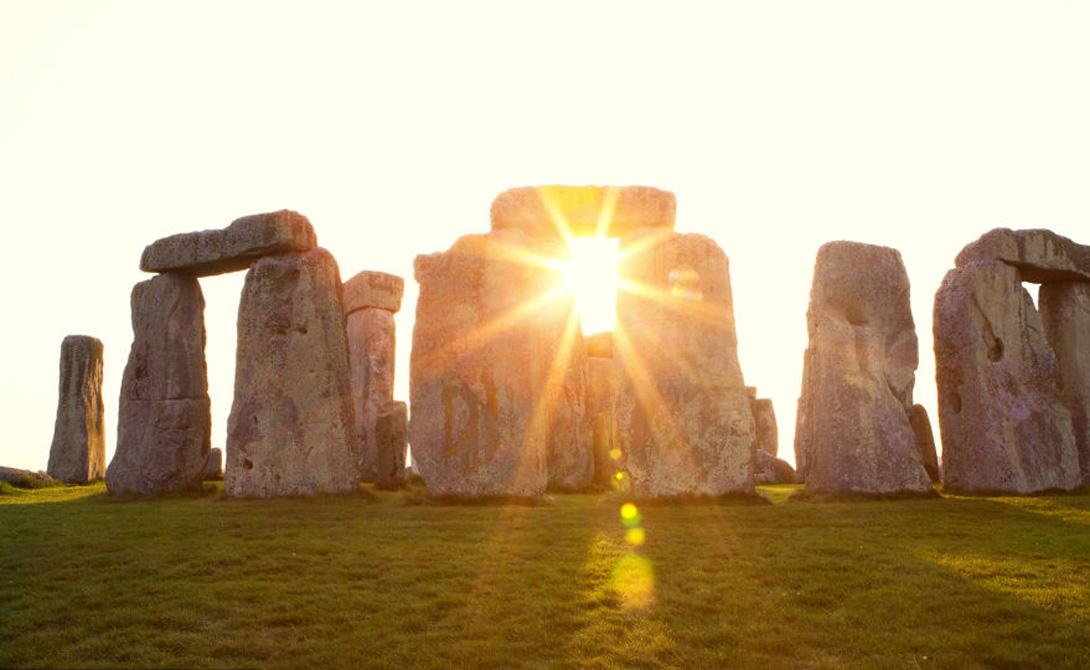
(1012, 380)
(78, 452)
(853, 432)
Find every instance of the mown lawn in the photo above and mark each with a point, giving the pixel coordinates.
(375, 580)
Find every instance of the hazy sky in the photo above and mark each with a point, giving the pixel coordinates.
(392, 125)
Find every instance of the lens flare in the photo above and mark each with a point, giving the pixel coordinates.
(630, 513)
(635, 536)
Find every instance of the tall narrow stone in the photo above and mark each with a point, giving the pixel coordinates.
(570, 460)
(291, 429)
(684, 422)
(480, 418)
(1065, 311)
(601, 379)
(78, 452)
(925, 442)
(165, 422)
(370, 301)
(1003, 429)
(853, 427)
(391, 444)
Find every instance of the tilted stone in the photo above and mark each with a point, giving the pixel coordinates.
(230, 249)
(373, 289)
(392, 444)
(859, 370)
(1002, 425)
(478, 370)
(1065, 312)
(613, 211)
(78, 451)
(684, 422)
(925, 442)
(164, 422)
(1040, 255)
(292, 430)
(371, 348)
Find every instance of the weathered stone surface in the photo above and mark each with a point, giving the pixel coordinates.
(545, 211)
(230, 249)
(1065, 311)
(570, 459)
(392, 444)
(772, 470)
(18, 477)
(1003, 429)
(478, 370)
(213, 464)
(78, 452)
(764, 419)
(373, 289)
(684, 422)
(164, 422)
(601, 379)
(371, 348)
(1040, 255)
(292, 428)
(858, 374)
(925, 442)
(600, 345)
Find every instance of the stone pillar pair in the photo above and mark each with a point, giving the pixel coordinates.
(499, 371)
(291, 429)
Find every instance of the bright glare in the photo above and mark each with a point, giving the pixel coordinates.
(591, 276)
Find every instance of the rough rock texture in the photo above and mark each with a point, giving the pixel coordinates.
(213, 464)
(1065, 311)
(371, 347)
(373, 289)
(764, 418)
(545, 211)
(858, 373)
(478, 370)
(392, 443)
(1040, 255)
(684, 423)
(772, 470)
(164, 422)
(1003, 429)
(78, 452)
(292, 429)
(18, 477)
(570, 454)
(213, 252)
(925, 442)
(601, 379)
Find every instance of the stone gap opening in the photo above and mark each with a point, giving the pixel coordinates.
(222, 294)
(590, 276)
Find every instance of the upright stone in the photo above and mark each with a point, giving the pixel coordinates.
(1065, 311)
(1003, 429)
(291, 429)
(164, 423)
(391, 444)
(684, 423)
(854, 419)
(764, 418)
(78, 452)
(213, 465)
(478, 370)
(570, 460)
(601, 379)
(370, 301)
(925, 441)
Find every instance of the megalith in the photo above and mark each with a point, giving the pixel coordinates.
(370, 301)
(1003, 429)
(684, 423)
(78, 452)
(291, 430)
(164, 420)
(925, 442)
(1065, 311)
(391, 444)
(764, 419)
(213, 465)
(853, 429)
(601, 379)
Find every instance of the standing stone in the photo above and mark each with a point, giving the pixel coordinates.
(165, 422)
(925, 442)
(371, 348)
(78, 452)
(601, 379)
(859, 371)
(570, 460)
(392, 444)
(1065, 311)
(291, 429)
(764, 418)
(1003, 429)
(478, 369)
(213, 465)
(684, 422)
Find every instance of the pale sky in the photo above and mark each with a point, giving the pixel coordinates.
(393, 125)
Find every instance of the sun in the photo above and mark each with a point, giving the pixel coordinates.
(590, 275)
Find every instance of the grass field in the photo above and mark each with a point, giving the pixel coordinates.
(378, 580)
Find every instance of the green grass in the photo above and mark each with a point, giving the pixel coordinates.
(380, 580)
